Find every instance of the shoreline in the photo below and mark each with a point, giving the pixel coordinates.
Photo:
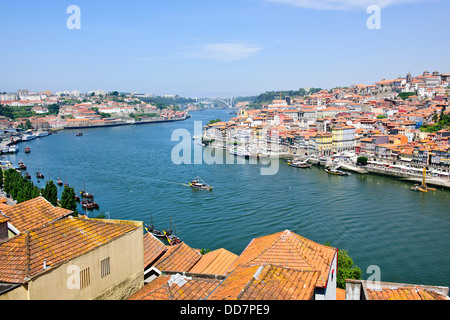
(6, 143)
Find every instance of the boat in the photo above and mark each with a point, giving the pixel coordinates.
(59, 182)
(336, 172)
(423, 187)
(5, 149)
(13, 149)
(198, 183)
(27, 175)
(86, 194)
(27, 150)
(28, 137)
(299, 164)
(151, 229)
(79, 134)
(22, 166)
(39, 174)
(89, 204)
(172, 239)
(41, 134)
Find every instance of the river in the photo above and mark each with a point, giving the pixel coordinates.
(129, 169)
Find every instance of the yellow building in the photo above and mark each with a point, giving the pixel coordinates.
(324, 143)
(343, 138)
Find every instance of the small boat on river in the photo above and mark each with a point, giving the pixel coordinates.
(198, 183)
(27, 150)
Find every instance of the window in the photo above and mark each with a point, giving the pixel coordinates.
(85, 278)
(104, 267)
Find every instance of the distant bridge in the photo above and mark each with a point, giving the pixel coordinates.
(229, 102)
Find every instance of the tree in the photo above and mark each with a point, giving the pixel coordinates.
(1, 178)
(50, 192)
(68, 199)
(362, 161)
(346, 269)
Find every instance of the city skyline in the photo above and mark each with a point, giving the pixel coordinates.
(237, 48)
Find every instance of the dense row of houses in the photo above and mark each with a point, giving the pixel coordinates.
(332, 122)
(47, 253)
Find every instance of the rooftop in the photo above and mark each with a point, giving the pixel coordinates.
(23, 256)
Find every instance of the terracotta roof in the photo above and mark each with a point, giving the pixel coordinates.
(162, 288)
(404, 293)
(289, 250)
(33, 213)
(153, 249)
(178, 258)
(266, 283)
(22, 256)
(215, 262)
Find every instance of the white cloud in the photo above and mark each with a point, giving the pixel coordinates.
(222, 51)
(343, 4)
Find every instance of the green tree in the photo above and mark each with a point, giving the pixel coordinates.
(1, 178)
(50, 192)
(362, 161)
(68, 199)
(346, 269)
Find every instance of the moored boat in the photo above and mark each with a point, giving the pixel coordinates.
(59, 182)
(13, 149)
(299, 164)
(27, 175)
(22, 165)
(79, 134)
(41, 134)
(89, 204)
(337, 172)
(27, 150)
(28, 137)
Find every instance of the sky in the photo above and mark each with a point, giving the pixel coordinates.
(203, 48)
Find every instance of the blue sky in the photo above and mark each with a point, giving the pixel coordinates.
(217, 48)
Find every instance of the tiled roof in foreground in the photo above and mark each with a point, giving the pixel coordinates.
(405, 293)
(33, 213)
(23, 256)
(289, 250)
(186, 288)
(267, 283)
(153, 249)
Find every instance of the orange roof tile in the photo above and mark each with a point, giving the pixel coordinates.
(153, 249)
(266, 283)
(22, 256)
(163, 289)
(179, 258)
(215, 262)
(404, 293)
(33, 213)
(289, 250)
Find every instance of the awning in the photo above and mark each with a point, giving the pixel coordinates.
(406, 159)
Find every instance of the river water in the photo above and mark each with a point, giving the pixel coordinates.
(129, 169)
